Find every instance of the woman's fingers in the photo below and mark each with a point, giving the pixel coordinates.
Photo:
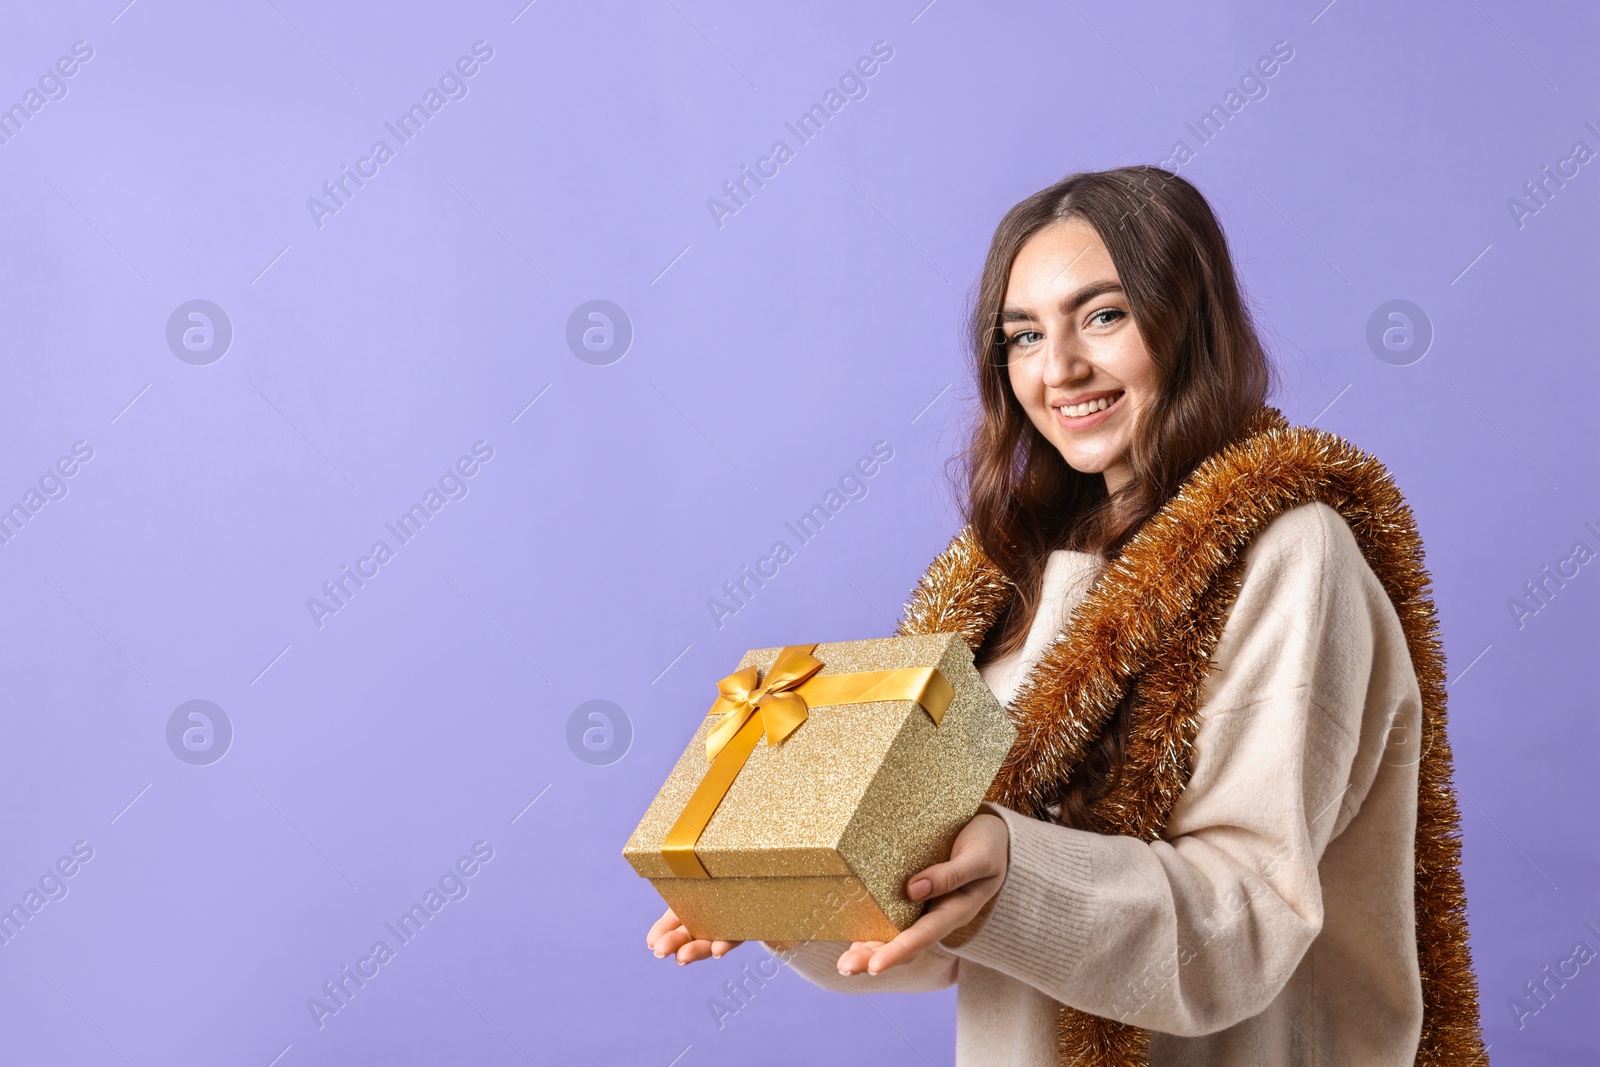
(947, 877)
(943, 915)
(974, 856)
(956, 891)
(853, 960)
(682, 944)
(668, 943)
(693, 949)
(668, 936)
(667, 922)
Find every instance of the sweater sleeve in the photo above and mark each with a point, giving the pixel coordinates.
(817, 962)
(1196, 931)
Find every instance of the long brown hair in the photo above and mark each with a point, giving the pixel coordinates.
(1022, 498)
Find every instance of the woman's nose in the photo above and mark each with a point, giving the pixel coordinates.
(1064, 361)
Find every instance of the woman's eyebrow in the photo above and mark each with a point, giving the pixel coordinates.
(1072, 303)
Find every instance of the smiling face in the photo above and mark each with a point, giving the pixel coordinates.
(1075, 358)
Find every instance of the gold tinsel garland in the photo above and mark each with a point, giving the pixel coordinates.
(1152, 619)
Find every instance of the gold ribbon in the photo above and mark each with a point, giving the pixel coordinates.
(776, 707)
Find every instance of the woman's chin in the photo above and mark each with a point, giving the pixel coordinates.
(1093, 463)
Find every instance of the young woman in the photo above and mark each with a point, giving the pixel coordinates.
(1226, 833)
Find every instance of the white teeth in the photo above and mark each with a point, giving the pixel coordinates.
(1088, 407)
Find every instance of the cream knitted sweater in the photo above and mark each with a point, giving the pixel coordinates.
(1273, 922)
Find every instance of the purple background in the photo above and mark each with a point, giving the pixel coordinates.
(768, 354)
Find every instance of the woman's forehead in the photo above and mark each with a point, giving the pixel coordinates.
(1063, 258)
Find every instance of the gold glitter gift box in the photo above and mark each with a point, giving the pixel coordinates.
(875, 754)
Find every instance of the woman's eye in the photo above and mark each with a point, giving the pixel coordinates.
(1021, 337)
(1115, 313)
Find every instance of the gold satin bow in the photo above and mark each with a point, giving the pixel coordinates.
(781, 710)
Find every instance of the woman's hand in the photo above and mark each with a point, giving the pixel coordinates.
(669, 935)
(959, 887)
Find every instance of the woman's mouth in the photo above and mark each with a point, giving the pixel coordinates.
(1090, 412)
